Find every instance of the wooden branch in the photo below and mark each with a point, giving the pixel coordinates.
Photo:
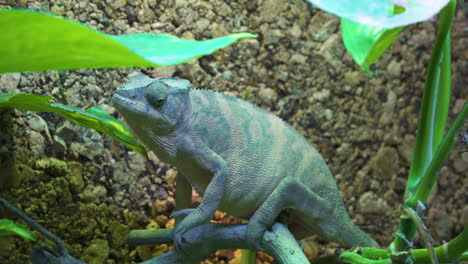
(202, 240)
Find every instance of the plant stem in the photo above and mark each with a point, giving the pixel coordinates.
(350, 257)
(431, 122)
(248, 256)
(447, 253)
(149, 237)
(451, 252)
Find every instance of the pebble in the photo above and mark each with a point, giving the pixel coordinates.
(388, 108)
(137, 163)
(385, 164)
(224, 10)
(94, 193)
(268, 96)
(121, 175)
(322, 95)
(9, 82)
(118, 233)
(370, 203)
(309, 120)
(270, 9)
(286, 106)
(328, 114)
(295, 31)
(332, 51)
(461, 165)
(405, 149)
(76, 177)
(58, 145)
(67, 132)
(162, 220)
(272, 36)
(325, 31)
(91, 90)
(394, 69)
(37, 123)
(298, 58)
(37, 142)
(227, 75)
(322, 25)
(33, 176)
(97, 252)
(116, 4)
(353, 78)
(166, 71)
(160, 206)
(53, 166)
(58, 10)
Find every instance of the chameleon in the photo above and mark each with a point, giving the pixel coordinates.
(240, 158)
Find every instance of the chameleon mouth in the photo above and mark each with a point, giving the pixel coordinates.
(117, 98)
(124, 103)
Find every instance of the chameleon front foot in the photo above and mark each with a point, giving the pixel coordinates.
(179, 242)
(180, 228)
(192, 219)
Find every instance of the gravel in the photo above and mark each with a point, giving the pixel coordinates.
(90, 188)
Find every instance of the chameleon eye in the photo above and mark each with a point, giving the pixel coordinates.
(157, 93)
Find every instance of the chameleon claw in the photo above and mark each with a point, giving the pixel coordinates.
(179, 241)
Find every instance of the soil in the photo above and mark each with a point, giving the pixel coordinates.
(91, 190)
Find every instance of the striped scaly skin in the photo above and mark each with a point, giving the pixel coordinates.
(242, 159)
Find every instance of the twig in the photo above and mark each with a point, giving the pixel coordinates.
(202, 240)
(426, 235)
(34, 225)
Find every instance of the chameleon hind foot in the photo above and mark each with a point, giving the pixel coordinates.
(290, 193)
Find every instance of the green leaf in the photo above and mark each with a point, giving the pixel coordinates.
(8, 227)
(424, 188)
(431, 126)
(435, 101)
(93, 117)
(169, 50)
(382, 12)
(35, 41)
(367, 43)
(26, 102)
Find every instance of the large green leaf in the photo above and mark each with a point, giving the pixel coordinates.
(8, 227)
(367, 43)
(93, 117)
(35, 41)
(380, 12)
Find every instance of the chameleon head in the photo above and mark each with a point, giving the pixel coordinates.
(159, 105)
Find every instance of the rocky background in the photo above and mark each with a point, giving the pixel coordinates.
(90, 190)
